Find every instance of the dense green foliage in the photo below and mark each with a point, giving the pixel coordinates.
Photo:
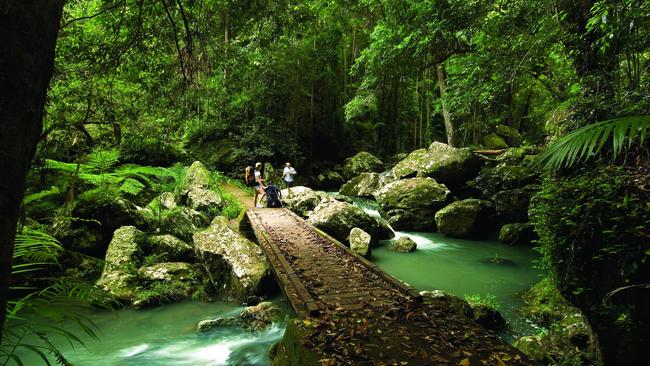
(233, 82)
(593, 228)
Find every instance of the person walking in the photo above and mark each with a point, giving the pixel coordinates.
(287, 176)
(259, 185)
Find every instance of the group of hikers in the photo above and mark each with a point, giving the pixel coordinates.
(254, 178)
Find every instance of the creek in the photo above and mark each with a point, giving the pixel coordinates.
(166, 335)
(461, 267)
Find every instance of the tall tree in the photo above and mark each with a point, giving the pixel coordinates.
(28, 32)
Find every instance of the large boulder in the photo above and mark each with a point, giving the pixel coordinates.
(182, 222)
(119, 276)
(494, 141)
(166, 271)
(338, 218)
(410, 204)
(517, 233)
(196, 190)
(359, 242)
(512, 204)
(170, 247)
(502, 177)
(363, 185)
(235, 266)
(447, 165)
(465, 218)
(404, 245)
(361, 163)
(330, 179)
(303, 200)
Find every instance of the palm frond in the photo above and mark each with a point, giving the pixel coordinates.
(588, 141)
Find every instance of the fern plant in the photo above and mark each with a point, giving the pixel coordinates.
(589, 141)
(38, 314)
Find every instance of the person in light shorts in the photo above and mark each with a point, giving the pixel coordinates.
(287, 176)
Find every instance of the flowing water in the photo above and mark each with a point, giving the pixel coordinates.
(166, 335)
(462, 267)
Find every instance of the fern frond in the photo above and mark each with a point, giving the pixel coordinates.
(42, 194)
(589, 141)
(102, 160)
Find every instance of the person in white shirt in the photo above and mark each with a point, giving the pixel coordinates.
(259, 185)
(287, 176)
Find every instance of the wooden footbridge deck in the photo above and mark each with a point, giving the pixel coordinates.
(366, 316)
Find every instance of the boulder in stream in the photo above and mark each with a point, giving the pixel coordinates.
(330, 179)
(517, 234)
(404, 245)
(338, 218)
(465, 218)
(502, 177)
(512, 205)
(166, 271)
(410, 204)
(119, 276)
(359, 242)
(235, 266)
(362, 162)
(363, 185)
(448, 165)
(303, 200)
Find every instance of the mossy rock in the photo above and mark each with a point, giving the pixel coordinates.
(412, 203)
(404, 245)
(512, 205)
(469, 217)
(119, 276)
(363, 185)
(291, 350)
(170, 246)
(330, 179)
(517, 234)
(359, 241)
(511, 135)
(362, 162)
(502, 177)
(339, 218)
(447, 165)
(494, 141)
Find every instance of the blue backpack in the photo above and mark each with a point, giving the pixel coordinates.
(273, 196)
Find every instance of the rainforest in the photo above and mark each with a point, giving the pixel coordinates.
(324, 182)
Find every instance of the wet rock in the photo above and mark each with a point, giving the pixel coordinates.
(494, 141)
(303, 200)
(501, 178)
(362, 162)
(338, 218)
(172, 247)
(533, 347)
(363, 185)
(330, 179)
(469, 217)
(487, 316)
(258, 317)
(209, 324)
(359, 242)
(166, 271)
(235, 266)
(404, 245)
(119, 277)
(512, 204)
(447, 165)
(452, 301)
(517, 234)
(293, 349)
(410, 204)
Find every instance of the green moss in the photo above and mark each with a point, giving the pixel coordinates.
(291, 351)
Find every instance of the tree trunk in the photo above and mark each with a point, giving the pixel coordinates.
(450, 128)
(28, 31)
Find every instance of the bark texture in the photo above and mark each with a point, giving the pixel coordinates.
(28, 32)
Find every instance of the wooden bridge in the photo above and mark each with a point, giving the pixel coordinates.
(370, 317)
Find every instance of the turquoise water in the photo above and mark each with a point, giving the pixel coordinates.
(166, 335)
(463, 267)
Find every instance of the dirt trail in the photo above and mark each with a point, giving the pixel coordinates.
(242, 196)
